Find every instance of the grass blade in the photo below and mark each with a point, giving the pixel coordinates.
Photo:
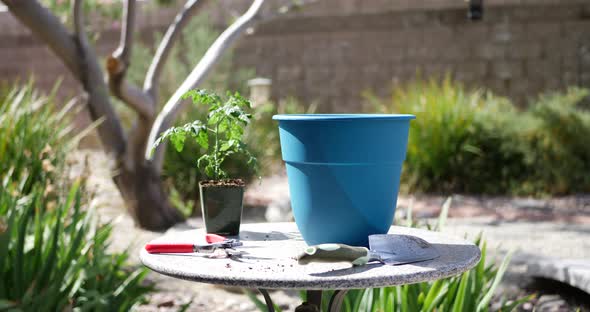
(409, 218)
(460, 297)
(517, 303)
(4, 242)
(51, 259)
(134, 278)
(488, 296)
(366, 300)
(444, 212)
(19, 277)
(435, 295)
(258, 303)
(7, 305)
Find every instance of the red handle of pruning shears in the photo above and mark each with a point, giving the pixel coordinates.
(169, 248)
(213, 241)
(214, 238)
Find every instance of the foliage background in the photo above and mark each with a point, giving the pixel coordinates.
(53, 251)
(464, 140)
(472, 141)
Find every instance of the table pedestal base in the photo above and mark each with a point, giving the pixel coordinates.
(313, 303)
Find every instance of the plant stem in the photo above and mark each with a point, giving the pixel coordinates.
(216, 171)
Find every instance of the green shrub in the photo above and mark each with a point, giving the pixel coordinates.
(439, 136)
(54, 258)
(475, 142)
(53, 252)
(29, 131)
(557, 142)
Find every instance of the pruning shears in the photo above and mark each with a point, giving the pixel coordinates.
(213, 242)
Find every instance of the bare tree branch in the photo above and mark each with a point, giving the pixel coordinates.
(123, 52)
(80, 61)
(175, 29)
(172, 34)
(134, 97)
(137, 99)
(119, 62)
(165, 119)
(128, 93)
(79, 31)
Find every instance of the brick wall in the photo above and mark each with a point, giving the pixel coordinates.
(336, 49)
(520, 48)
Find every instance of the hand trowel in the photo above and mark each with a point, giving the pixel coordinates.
(390, 249)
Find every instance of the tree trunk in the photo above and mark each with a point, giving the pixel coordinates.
(145, 198)
(140, 183)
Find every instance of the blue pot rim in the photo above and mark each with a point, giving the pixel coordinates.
(316, 117)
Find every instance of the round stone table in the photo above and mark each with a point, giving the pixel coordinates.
(268, 261)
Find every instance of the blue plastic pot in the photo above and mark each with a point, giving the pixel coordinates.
(343, 173)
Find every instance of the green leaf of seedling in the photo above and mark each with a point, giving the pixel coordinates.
(221, 174)
(210, 171)
(238, 100)
(177, 135)
(223, 129)
(235, 133)
(224, 125)
(177, 140)
(231, 110)
(214, 117)
(203, 162)
(203, 97)
(245, 118)
(156, 144)
(252, 161)
(190, 94)
(230, 144)
(203, 139)
(194, 128)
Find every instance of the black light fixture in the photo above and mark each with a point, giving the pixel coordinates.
(475, 12)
